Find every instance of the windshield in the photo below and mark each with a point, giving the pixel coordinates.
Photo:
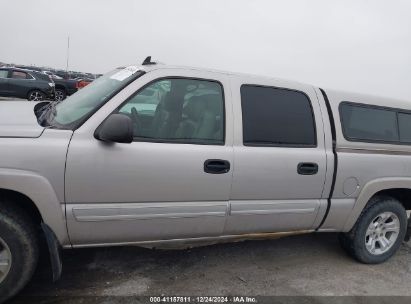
(72, 112)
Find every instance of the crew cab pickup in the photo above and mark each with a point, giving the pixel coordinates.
(154, 155)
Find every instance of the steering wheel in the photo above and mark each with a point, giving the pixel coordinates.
(136, 120)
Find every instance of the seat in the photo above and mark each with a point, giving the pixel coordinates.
(200, 120)
(167, 116)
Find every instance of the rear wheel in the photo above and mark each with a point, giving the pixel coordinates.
(5, 260)
(60, 95)
(19, 250)
(36, 95)
(378, 233)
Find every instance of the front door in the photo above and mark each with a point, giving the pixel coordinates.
(172, 182)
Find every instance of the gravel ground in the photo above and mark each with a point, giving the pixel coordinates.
(306, 265)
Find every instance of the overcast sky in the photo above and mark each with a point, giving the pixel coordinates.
(357, 45)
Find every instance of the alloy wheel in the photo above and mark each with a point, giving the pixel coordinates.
(59, 95)
(382, 233)
(36, 96)
(5, 260)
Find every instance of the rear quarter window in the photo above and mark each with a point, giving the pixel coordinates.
(368, 123)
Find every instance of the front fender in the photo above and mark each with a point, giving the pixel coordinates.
(40, 191)
(369, 190)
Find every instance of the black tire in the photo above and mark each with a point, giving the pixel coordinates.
(36, 95)
(60, 95)
(19, 233)
(354, 242)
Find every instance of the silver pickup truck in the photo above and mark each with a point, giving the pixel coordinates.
(155, 155)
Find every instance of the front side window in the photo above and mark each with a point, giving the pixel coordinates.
(3, 73)
(276, 117)
(363, 123)
(178, 110)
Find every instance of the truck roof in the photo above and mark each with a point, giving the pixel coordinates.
(335, 96)
(247, 76)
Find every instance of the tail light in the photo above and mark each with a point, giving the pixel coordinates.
(81, 84)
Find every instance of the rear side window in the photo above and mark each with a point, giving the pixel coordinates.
(368, 123)
(276, 117)
(364, 123)
(18, 75)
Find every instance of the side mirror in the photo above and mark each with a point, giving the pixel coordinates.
(117, 128)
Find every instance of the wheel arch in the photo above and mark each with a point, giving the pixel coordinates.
(36, 195)
(25, 203)
(398, 188)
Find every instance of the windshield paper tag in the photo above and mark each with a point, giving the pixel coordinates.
(126, 72)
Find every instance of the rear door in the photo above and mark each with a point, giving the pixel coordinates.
(279, 157)
(4, 83)
(20, 83)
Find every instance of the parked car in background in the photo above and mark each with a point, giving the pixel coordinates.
(77, 75)
(82, 82)
(31, 68)
(62, 74)
(67, 86)
(27, 84)
(51, 74)
(64, 87)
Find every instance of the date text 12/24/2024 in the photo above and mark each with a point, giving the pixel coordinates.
(203, 299)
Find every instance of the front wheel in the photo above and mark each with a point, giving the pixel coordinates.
(378, 233)
(19, 250)
(36, 95)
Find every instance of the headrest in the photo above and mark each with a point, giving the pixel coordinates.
(173, 102)
(195, 107)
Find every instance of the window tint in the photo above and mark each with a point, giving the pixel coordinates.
(273, 116)
(3, 73)
(18, 75)
(404, 123)
(367, 123)
(178, 110)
